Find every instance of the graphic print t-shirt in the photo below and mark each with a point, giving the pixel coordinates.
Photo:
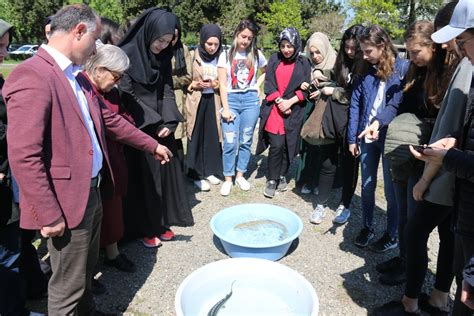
(240, 77)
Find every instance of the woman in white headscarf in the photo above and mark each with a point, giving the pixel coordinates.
(322, 57)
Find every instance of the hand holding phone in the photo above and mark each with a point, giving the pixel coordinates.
(312, 88)
(420, 148)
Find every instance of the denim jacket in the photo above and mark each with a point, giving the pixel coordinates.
(363, 96)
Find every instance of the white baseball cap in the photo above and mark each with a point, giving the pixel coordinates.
(461, 20)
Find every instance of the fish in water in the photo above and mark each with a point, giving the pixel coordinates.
(263, 228)
(215, 309)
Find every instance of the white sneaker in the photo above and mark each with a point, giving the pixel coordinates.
(203, 185)
(213, 180)
(305, 189)
(243, 184)
(316, 191)
(342, 215)
(226, 187)
(318, 214)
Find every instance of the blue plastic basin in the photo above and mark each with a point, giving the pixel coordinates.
(270, 240)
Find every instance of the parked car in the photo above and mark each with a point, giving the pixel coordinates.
(26, 50)
(13, 47)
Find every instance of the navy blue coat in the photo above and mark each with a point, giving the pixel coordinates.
(363, 96)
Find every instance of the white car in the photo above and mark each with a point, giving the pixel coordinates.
(25, 50)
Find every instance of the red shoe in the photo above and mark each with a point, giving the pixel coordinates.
(167, 235)
(154, 242)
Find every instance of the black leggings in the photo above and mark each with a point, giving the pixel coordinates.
(418, 229)
(277, 156)
(350, 169)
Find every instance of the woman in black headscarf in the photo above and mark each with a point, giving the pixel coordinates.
(156, 198)
(204, 156)
(282, 111)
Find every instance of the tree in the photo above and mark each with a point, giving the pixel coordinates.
(381, 12)
(412, 10)
(5, 11)
(109, 9)
(132, 8)
(27, 16)
(330, 23)
(283, 14)
(233, 13)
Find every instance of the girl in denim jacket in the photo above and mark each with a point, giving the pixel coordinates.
(377, 93)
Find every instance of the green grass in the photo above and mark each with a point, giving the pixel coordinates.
(7, 67)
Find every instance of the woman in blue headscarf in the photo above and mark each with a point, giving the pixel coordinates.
(282, 111)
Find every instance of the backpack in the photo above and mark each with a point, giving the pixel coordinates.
(405, 129)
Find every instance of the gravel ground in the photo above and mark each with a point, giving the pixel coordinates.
(343, 275)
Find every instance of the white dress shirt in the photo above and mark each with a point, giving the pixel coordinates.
(70, 71)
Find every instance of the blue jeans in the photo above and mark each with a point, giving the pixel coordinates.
(369, 159)
(238, 134)
(406, 206)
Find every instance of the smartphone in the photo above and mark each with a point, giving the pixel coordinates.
(420, 148)
(312, 88)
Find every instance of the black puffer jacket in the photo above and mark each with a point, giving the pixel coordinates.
(461, 164)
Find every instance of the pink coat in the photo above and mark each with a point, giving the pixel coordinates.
(50, 151)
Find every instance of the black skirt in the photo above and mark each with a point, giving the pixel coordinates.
(204, 151)
(156, 196)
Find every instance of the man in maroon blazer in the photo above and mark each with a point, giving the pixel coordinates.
(57, 147)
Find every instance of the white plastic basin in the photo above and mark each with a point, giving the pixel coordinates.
(260, 287)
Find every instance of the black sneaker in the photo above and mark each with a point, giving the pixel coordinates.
(390, 265)
(270, 189)
(385, 243)
(282, 185)
(364, 237)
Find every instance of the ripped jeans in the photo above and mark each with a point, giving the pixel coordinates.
(238, 134)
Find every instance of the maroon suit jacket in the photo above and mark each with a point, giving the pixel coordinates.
(49, 149)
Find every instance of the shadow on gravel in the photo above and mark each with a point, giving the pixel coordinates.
(217, 242)
(258, 163)
(122, 284)
(362, 284)
(117, 284)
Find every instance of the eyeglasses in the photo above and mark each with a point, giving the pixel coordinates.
(462, 42)
(116, 76)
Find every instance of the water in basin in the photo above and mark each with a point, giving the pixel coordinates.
(258, 232)
(249, 300)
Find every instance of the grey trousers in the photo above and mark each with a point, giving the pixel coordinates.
(73, 259)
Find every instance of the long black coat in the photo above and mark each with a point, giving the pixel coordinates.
(294, 121)
(156, 195)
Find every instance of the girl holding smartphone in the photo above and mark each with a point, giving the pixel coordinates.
(204, 153)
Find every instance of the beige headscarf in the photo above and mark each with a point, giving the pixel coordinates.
(321, 42)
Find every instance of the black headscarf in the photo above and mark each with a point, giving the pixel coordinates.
(151, 25)
(178, 52)
(291, 35)
(208, 31)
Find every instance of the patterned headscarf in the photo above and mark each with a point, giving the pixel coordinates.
(291, 35)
